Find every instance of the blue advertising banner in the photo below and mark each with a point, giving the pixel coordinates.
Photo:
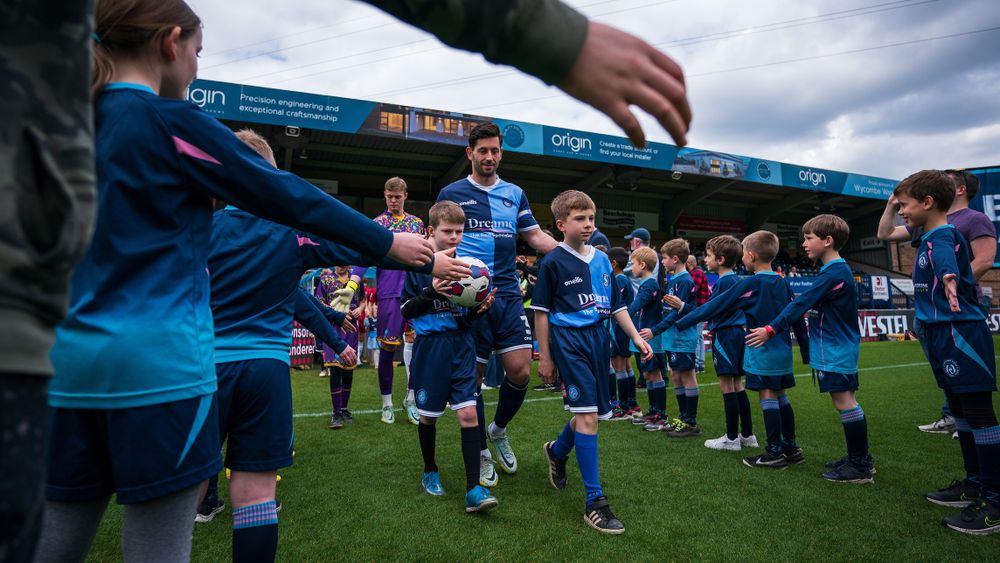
(987, 199)
(595, 147)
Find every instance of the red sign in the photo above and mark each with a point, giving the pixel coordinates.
(303, 346)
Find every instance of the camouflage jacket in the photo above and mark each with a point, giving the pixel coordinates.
(47, 185)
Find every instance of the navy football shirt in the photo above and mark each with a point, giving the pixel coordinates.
(576, 290)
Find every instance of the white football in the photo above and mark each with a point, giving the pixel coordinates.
(473, 290)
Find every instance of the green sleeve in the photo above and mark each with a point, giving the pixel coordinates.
(540, 37)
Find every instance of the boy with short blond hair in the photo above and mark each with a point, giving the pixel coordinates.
(834, 340)
(576, 292)
(646, 310)
(620, 353)
(768, 369)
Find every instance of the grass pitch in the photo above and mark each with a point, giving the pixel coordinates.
(354, 494)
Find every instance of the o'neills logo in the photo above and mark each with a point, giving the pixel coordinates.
(470, 202)
(575, 280)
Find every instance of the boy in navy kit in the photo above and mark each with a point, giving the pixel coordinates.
(620, 353)
(646, 310)
(768, 369)
(728, 333)
(444, 360)
(959, 348)
(576, 292)
(680, 345)
(834, 340)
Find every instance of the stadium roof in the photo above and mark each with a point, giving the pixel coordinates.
(350, 147)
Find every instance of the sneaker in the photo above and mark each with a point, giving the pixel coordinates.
(617, 414)
(208, 509)
(634, 412)
(979, 518)
(411, 412)
(277, 505)
(388, 416)
(766, 460)
(557, 467)
(958, 494)
(724, 443)
(598, 516)
(847, 473)
(487, 473)
(324, 372)
(843, 461)
(684, 430)
(943, 425)
(479, 499)
(432, 484)
(501, 443)
(954, 435)
(794, 455)
(655, 424)
(544, 387)
(337, 421)
(347, 416)
(749, 441)
(643, 420)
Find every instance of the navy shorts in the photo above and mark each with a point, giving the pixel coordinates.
(961, 356)
(582, 356)
(619, 342)
(444, 372)
(773, 382)
(680, 361)
(503, 328)
(255, 414)
(833, 382)
(727, 350)
(140, 453)
(657, 363)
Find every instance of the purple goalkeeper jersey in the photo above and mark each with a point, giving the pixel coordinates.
(390, 282)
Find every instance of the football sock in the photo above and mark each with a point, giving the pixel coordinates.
(407, 357)
(586, 458)
(481, 417)
(681, 402)
(157, 530)
(255, 532)
(631, 388)
(470, 456)
(970, 453)
(347, 382)
(385, 374)
(746, 418)
(691, 399)
(856, 435)
(410, 396)
(212, 492)
(732, 409)
(509, 402)
(651, 396)
(564, 442)
(336, 388)
(772, 424)
(988, 450)
(659, 395)
(427, 434)
(787, 421)
(387, 400)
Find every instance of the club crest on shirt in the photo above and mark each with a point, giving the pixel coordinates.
(507, 202)
(951, 368)
(606, 280)
(922, 260)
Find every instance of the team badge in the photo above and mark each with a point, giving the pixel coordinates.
(951, 368)
(572, 392)
(606, 279)
(421, 396)
(922, 260)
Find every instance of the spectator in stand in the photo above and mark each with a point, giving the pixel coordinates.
(977, 229)
(793, 272)
(780, 271)
(702, 291)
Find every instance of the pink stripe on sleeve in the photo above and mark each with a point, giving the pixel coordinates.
(186, 148)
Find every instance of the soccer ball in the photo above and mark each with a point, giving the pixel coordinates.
(473, 290)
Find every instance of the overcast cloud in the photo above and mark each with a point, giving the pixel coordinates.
(881, 111)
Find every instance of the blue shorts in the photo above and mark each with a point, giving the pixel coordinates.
(773, 382)
(140, 453)
(657, 363)
(503, 328)
(961, 356)
(680, 361)
(582, 356)
(444, 372)
(833, 382)
(727, 350)
(255, 414)
(619, 342)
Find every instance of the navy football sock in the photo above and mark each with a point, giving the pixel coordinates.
(427, 434)
(613, 388)
(651, 396)
(624, 398)
(988, 451)
(255, 532)
(564, 442)
(481, 417)
(746, 417)
(348, 382)
(586, 458)
(787, 422)
(732, 409)
(470, 456)
(772, 425)
(659, 395)
(509, 402)
(682, 409)
(632, 387)
(691, 399)
(856, 434)
(970, 453)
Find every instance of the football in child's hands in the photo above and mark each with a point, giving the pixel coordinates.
(473, 290)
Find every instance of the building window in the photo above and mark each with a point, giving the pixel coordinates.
(391, 122)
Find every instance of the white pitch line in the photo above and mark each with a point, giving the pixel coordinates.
(559, 397)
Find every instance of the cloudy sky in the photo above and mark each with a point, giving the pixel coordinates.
(875, 87)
